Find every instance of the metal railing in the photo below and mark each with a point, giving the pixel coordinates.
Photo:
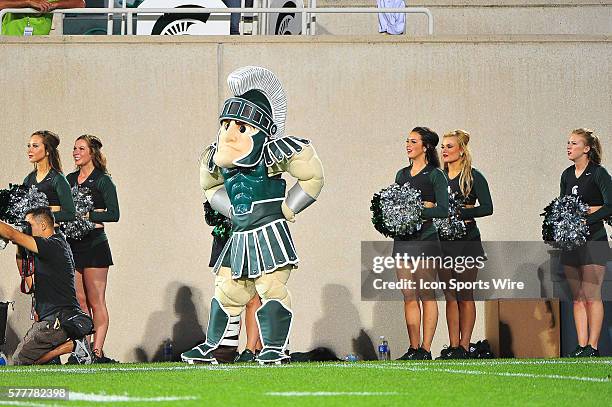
(308, 23)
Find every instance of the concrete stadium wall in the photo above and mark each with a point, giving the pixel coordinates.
(479, 18)
(154, 102)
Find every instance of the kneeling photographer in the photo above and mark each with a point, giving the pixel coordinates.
(59, 315)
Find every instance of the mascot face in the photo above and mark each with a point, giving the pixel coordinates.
(234, 142)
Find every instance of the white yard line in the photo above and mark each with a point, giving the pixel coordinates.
(502, 362)
(329, 393)
(86, 370)
(118, 368)
(25, 404)
(108, 398)
(97, 398)
(482, 362)
(422, 366)
(428, 368)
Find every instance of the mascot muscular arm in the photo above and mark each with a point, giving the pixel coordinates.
(308, 170)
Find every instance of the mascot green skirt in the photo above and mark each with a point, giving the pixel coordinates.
(240, 175)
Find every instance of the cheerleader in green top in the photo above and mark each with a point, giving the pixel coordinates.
(424, 175)
(470, 186)
(92, 255)
(585, 267)
(48, 178)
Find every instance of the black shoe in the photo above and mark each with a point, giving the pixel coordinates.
(55, 361)
(480, 350)
(103, 359)
(453, 353)
(409, 355)
(245, 357)
(589, 352)
(444, 353)
(576, 353)
(422, 354)
(473, 351)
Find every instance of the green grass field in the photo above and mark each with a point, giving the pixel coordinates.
(494, 382)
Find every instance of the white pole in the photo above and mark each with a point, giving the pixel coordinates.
(109, 22)
(313, 18)
(241, 21)
(123, 18)
(130, 23)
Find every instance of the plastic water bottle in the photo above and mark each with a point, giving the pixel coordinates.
(383, 349)
(351, 357)
(168, 350)
(3, 361)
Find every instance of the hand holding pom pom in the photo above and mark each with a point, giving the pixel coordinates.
(83, 202)
(452, 227)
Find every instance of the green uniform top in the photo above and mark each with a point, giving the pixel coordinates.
(56, 188)
(103, 192)
(479, 193)
(594, 187)
(432, 184)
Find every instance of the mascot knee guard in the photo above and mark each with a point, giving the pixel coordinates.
(221, 338)
(274, 320)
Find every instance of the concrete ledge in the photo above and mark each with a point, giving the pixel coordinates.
(327, 39)
(473, 3)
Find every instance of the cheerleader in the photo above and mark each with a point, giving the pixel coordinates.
(585, 266)
(422, 174)
(470, 186)
(92, 255)
(48, 178)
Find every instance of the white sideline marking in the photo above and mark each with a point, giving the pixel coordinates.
(497, 362)
(483, 362)
(329, 393)
(25, 404)
(485, 373)
(97, 398)
(86, 370)
(531, 375)
(104, 398)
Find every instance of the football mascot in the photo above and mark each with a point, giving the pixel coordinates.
(241, 178)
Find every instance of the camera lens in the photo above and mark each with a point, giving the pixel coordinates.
(24, 227)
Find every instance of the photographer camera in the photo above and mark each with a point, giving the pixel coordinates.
(59, 315)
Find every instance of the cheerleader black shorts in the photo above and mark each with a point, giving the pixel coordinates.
(469, 246)
(593, 252)
(91, 252)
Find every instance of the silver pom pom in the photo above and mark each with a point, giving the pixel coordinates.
(23, 199)
(452, 227)
(565, 223)
(80, 227)
(402, 208)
